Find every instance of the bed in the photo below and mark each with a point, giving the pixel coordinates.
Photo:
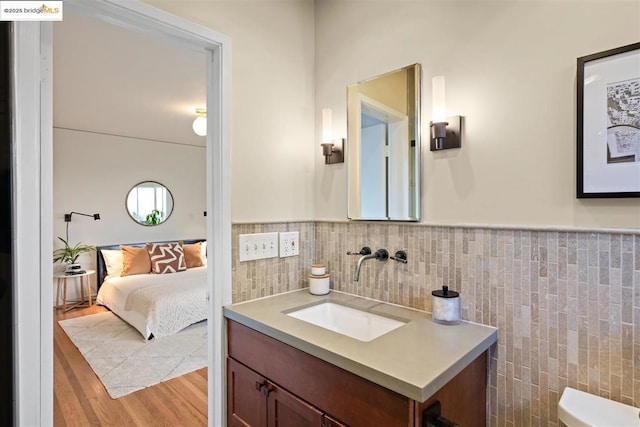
(155, 304)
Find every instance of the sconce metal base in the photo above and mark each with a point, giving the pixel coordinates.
(453, 138)
(337, 152)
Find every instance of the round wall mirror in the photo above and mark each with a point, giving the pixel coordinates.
(149, 203)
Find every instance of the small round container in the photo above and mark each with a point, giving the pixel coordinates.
(318, 269)
(319, 285)
(446, 306)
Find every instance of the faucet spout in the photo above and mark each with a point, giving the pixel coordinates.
(380, 254)
(362, 259)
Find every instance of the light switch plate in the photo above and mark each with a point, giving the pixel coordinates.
(257, 246)
(289, 244)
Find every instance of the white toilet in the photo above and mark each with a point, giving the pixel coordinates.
(579, 409)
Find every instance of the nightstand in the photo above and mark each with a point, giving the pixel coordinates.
(83, 279)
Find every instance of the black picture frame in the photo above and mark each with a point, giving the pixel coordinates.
(608, 123)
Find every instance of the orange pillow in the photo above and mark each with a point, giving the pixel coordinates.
(192, 255)
(135, 260)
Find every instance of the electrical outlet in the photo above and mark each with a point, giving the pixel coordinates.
(257, 246)
(289, 244)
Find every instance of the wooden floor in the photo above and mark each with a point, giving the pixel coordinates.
(80, 399)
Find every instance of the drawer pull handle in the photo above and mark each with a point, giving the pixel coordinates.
(268, 388)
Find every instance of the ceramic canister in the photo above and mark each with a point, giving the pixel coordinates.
(318, 269)
(446, 306)
(319, 285)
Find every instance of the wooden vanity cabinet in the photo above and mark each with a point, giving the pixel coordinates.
(270, 383)
(256, 401)
(246, 405)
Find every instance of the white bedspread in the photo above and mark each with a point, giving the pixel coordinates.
(158, 304)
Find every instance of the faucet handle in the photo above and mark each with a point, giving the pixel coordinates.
(382, 254)
(400, 256)
(366, 250)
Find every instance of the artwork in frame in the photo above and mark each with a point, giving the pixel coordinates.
(609, 123)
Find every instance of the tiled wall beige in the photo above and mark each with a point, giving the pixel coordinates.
(260, 278)
(567, 305)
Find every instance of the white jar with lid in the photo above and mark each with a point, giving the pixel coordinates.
(446, 306)
(319, 285)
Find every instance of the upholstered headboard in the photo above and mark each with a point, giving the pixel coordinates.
(101, 267)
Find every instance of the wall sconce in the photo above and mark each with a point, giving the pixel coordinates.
(332, 149)
(67, 219)
(445, 132)
(200, 123)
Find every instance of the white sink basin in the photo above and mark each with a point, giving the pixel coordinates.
(348, 321)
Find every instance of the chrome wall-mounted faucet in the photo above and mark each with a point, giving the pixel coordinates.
(380, 255)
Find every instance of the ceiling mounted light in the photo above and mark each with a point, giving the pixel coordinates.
(200, 123)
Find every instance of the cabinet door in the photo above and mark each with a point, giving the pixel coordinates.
(286, 410)
(246, 401)
(327, 421)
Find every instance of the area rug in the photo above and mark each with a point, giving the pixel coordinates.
(122, 359)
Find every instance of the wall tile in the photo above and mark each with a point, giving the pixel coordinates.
(260, 278)
(567, 304)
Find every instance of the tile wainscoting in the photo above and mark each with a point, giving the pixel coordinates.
(264, 277)
(567, 304)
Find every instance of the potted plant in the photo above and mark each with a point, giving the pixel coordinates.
(154, 218)
(70, 254)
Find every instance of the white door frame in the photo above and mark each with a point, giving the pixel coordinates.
(33, 194)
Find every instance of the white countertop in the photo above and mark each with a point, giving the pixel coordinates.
(415, 360)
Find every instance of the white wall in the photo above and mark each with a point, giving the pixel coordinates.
(510, 70)
(272, 139)
(93, 173)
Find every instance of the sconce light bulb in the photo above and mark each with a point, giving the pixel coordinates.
(439, 113)
(200, 123)
(327, 126)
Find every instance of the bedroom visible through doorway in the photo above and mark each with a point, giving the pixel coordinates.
(32, 49)
(138, 128)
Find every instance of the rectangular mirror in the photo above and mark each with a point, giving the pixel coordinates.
(383, 160)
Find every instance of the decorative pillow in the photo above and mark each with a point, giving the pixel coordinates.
(166, 257)
(192, 255)
(113, 261)
(135, 260)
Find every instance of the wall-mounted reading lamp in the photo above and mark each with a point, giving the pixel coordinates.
(332, 149)
(200, 122)
(445, 131)
(67, 219)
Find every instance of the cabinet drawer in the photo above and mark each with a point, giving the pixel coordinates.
(348, 397)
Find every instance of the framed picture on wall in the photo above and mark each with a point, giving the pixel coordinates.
(609, 123)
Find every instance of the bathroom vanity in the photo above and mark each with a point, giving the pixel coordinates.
(283, 371)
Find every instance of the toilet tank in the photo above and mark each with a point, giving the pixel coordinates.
(579, 409)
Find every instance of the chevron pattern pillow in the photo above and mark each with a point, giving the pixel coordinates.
(166, 257)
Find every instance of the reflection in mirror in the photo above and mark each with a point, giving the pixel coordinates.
(383, 118)
(149, 203)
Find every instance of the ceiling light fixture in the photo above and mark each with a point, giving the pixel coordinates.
(200, 123)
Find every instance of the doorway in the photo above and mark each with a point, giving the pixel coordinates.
(33, 193)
